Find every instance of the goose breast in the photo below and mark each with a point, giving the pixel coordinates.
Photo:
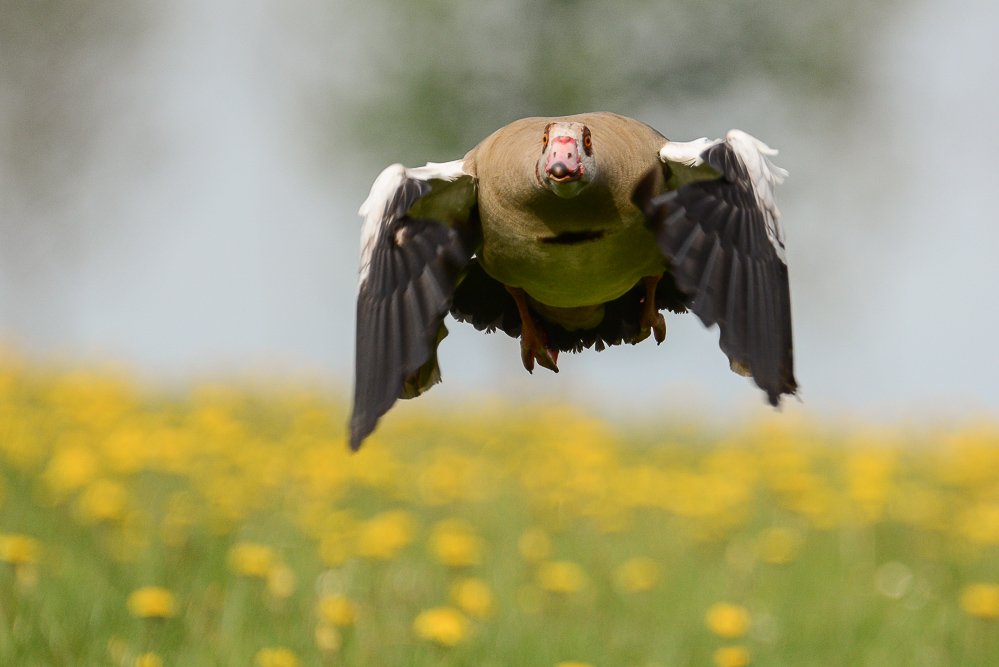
(575, 252)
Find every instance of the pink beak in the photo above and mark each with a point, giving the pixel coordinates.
(563, 163)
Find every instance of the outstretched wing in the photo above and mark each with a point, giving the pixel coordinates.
(719, 226)
(414, 245)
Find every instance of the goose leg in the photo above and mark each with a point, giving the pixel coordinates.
(533, 342)
(651, 320)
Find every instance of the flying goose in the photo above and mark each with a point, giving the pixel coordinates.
(569, 233)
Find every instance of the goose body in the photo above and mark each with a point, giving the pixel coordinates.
(523, 221)
(571, 232)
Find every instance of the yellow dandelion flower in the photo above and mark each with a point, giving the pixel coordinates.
(535, 545)
(102, 500)
(281, 581)
(151, 602)
(149, 660)
(251, 559)
(124, 448)
(732, 656)
(727, 620)
(562, 577)
(19, 549)
(328, 638)
(441, 625)
(778, 546)
(71, 467)
(981, 600)
(636, 575)
(474, 597)
(276, 657)
(382, 536)
(455, 544)
(336, 610)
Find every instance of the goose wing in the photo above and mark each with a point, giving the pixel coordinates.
(415, 243)
(719, 226)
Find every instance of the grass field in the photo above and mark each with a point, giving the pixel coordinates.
(227, 525)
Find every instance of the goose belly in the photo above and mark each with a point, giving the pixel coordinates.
(570, 268)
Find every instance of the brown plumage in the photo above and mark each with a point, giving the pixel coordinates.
(517, 210)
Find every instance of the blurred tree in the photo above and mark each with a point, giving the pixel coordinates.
(435, 76)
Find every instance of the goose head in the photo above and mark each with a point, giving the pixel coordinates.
(566, 165)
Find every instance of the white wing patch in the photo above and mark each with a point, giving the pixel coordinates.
(441, 171)
(765, 176)
(689, 153)
(374, 210)
(385, 192)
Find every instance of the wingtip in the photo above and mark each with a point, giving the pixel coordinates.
(355, 439)
(789, 388)
(776, 400)
(357, 431)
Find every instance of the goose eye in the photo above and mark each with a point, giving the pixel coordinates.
(544, 142)
(587, 141)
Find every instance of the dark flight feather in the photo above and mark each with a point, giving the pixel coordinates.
(414, 267)
(714, 234)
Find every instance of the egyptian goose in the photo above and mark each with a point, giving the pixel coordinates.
(571, 232)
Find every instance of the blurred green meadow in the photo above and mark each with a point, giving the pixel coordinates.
(229, 525)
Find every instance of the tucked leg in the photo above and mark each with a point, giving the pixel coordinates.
(651, 320)
(533, 341)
